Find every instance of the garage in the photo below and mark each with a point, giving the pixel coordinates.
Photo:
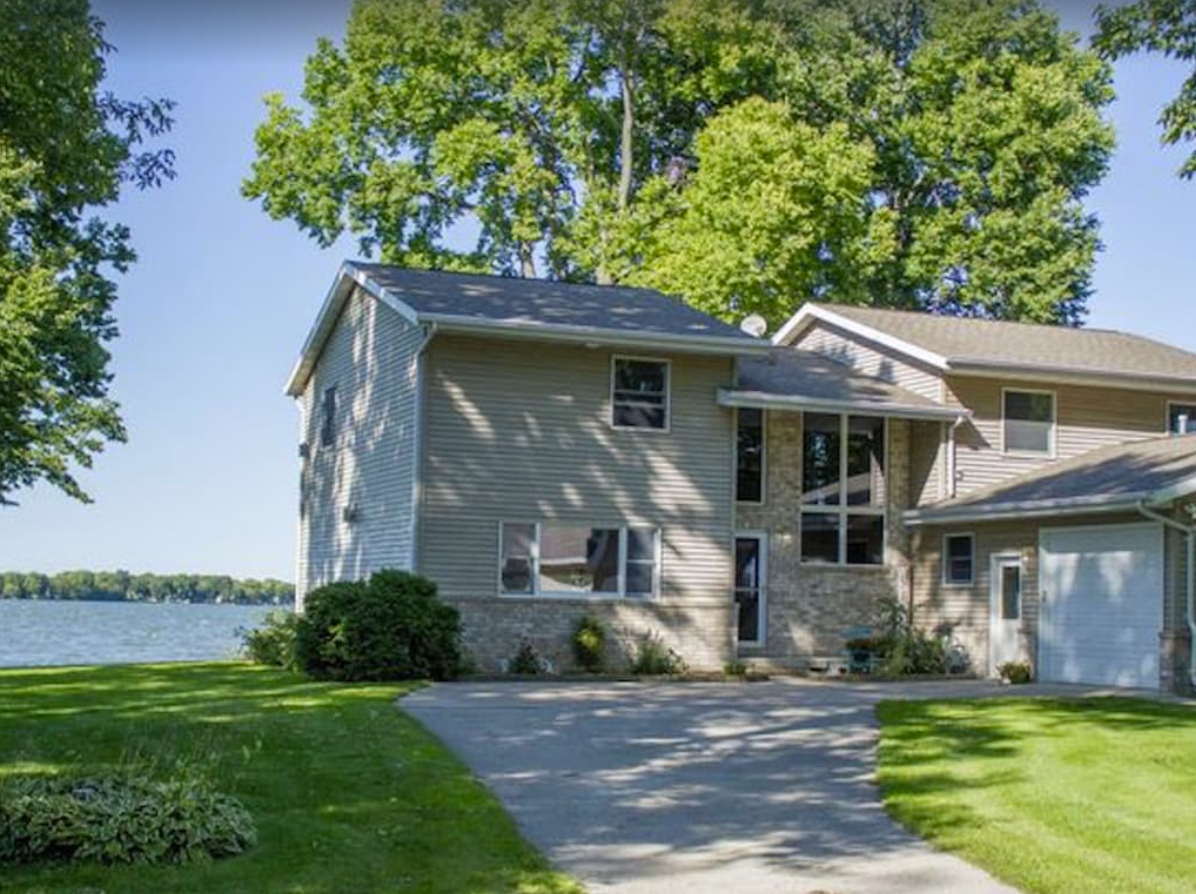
(1102, 605)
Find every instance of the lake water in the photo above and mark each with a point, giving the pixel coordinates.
(36, 632)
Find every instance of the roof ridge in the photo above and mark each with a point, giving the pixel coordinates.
(505, 278)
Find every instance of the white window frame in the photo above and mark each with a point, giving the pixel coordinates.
(1054, 433)
(842, 510)
(763, 459)
(621, 593)
(946, 556)
(1167, 413)
(668, 393)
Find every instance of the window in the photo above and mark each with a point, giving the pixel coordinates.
(1011, 591)
(328, 418)
(639, 393)
(843, 489)
(1181, 418)
(577, 560)
(959, 559)
(749, 456)
(1029, 421)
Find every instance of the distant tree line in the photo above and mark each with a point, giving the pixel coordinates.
(122, 586)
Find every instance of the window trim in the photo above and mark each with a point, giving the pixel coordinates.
(842, 510)
(945, 561)
(536, 593)
(763, 459)
(1167, 414)
(761, 538)
(1051, 451)
(328, 426)
(668, 394)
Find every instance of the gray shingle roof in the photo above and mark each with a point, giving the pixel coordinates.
(962, 341)
(1116, 475)
(510, 300)
(806, 377)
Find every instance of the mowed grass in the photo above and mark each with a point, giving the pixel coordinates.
(349, 794)
(1050, 795)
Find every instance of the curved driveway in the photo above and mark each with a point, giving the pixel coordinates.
(753, 788)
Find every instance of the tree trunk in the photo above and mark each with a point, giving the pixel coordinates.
(527, 263)
(626, 155)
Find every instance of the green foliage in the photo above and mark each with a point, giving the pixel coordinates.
(901, 648)
(654, 659)
(931, 154)
(120, 585)
(1016, 672)
(1160, 26)
(273, 642)
(735, 669)
(391, 627)
(120, 819)
(66, 149)
(526, 663)
(589, 644)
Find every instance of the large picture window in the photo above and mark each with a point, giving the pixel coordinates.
(843, 489)
(639, 393)
(749, 455)
(1028, 421)
(551, 559)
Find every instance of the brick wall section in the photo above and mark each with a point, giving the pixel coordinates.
(809, 607)
(495, 628)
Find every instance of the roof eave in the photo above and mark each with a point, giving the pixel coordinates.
(808, 314)
(1040, 372)
(729, 397)
(1018, 509)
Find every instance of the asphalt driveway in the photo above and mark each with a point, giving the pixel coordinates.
(749, 788)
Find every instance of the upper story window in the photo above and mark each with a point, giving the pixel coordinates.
(639, 393)
(328, 417)
(959, 559)
(749, 455)
(843, 489)
(1028, 421)
(552, 559)
(1181, 418)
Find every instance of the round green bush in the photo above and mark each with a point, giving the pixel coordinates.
(120, 819)
(589, 644)
(391, 627)
(273, 642)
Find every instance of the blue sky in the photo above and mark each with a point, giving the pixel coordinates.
(213, 313)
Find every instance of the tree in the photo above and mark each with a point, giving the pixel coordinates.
(926, 154)
(66, 148)
(1160, 26)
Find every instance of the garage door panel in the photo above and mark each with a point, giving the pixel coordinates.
(1103, 605)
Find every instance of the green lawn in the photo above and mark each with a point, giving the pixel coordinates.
(1051, 795)
(349, 794)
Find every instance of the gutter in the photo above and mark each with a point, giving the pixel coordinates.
(768, 401)
(1189, 533)
(1024, 509)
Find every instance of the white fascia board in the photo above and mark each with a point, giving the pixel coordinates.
(765, 401)
(1027, 372)
(1172, 492)
(330, 311)
(591, 335)
(1022, 509)
(809, 313)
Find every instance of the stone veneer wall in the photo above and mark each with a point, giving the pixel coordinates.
(809, 607)
(494, 628)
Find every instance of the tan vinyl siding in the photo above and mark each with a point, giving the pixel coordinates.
(371, 359)
(521, 432)
(927, 475)
(870, 358)
(1086, 418)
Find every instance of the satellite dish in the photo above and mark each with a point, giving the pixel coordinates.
(754, 325)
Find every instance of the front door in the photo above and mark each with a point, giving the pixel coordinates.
(750, 588)
(1005, 610)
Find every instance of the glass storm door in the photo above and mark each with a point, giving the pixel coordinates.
(749, 588)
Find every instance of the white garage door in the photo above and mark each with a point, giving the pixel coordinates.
(1102, 608)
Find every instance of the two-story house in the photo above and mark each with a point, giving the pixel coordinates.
(544, 450)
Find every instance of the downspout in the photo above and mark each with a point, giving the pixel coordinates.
(951, 470)
(1189, 533)
(417, 476)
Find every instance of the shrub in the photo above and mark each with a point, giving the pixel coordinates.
(391, 627)
(526, 661)
(589, 644)
(901, 648)
(273, 642)
(735, 669)
(120, 819)
(1016, 672)
(653, 658)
